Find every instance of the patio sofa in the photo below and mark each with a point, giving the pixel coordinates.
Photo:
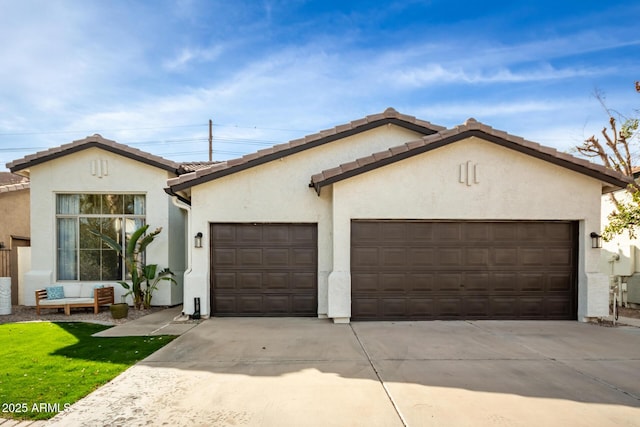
(74, 295)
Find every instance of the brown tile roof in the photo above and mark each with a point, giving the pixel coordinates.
(7, 178)
(278, 151)
(187, 167)
(88, 142)
(14, 187)
(470, 128)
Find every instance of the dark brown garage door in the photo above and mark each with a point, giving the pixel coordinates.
(463, 270)
(264, 270)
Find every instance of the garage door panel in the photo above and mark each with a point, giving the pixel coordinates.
(393, 231)
(249, 280)
(277, 304)
(420, 257)
(556, 306)
(225, 280)
(477, 283)
(477, 257)
(421, 282)
(276, 234)
(532, 306)
(224, 233)
(275, 280)
(264, 269)
(448, 231)
(421, 232)
(224, 256)
(505, 257)
(249, 304)
(365, 257)
(420, 308)
(532, 231)
(504, 283)
(559, 282)
(477, 232)
(393, 308)
(502, 270)
(450, 307)
(225, 305)
(477, 307)
(248, 233)
(449, 282)
(504, 307)
(393, 257)
(365, 308)
(251, 257)
(450, 257)
(561, 257)
(391, 282)
(364, 282)
(532, 257)
(275, 257)
(304, 281)
(531, 282)
(304, 258)
(504, 232)
(303, 304)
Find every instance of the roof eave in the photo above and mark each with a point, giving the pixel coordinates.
(603, 177)
(203, 178)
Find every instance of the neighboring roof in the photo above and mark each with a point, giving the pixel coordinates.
(14, 187)
(93, 141)
(187, 167)
(389, 116)
(470, 128)
(7, 178)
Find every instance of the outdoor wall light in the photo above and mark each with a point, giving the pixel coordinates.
(197, 240)
(596, 240)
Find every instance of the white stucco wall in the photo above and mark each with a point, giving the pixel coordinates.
(73, 174)
(278, 192)
(512, 186)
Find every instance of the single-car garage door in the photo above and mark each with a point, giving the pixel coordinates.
(463, 270)
(264, 270)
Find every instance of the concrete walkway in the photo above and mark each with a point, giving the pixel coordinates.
(159, 323)
(310, 372)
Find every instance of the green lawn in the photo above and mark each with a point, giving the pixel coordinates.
(45, 366)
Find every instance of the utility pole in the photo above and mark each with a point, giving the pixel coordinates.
(210, 140)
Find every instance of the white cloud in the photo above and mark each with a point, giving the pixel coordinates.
(190, 55)
(437, 74)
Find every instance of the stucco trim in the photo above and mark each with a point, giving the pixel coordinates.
(215, 171)
(471, 128)
(96, 141)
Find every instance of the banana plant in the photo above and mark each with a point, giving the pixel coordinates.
(144, 278)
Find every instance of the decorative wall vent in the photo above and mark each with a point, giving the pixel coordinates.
(468, 173)
(99, 168)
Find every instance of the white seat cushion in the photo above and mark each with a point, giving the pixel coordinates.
(64, 301)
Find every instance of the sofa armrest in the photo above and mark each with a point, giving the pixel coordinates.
(103, 296)
(41, 294)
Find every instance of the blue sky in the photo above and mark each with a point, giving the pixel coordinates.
(152, 73)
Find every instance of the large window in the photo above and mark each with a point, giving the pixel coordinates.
(82, 255)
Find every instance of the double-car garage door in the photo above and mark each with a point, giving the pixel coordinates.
(463, 270)
(411, 270)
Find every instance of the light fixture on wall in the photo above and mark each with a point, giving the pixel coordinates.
(197, 240)
(596, 240)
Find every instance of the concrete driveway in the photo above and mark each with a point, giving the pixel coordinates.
(310, 372)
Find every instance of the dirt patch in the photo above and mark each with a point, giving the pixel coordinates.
(632, 313)
(20, 313)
